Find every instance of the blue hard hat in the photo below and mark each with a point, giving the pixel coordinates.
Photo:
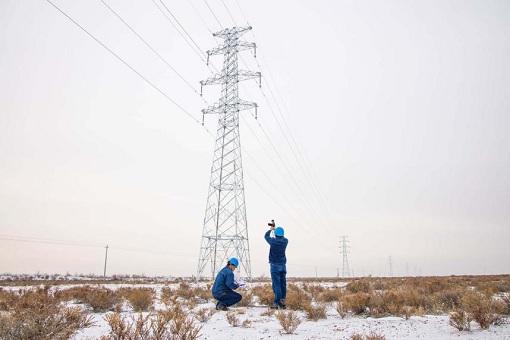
(234, 262)
(278, 231)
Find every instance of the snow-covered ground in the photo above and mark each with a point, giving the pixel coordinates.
(267, 327)
(264, 326)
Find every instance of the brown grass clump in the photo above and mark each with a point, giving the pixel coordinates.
(297, 298)
(185, 292)
(481, 308)
(168, 296)
(39, 314)
(340, 309)
(505, 302)
(232, 319)
(164, 324)
(356, 303)
(460, 320)
(359, 286)
(204, 314)
(264, 293)
(330, 295)
(100, 299)
(7, 298)
(371, 336)
(140, 299)
(247, 299)
(288, 320)
(315, 312)
(356, 336)
(375, 336)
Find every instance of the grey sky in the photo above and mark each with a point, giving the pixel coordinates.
(400, 108)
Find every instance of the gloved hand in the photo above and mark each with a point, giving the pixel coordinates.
(240, 283)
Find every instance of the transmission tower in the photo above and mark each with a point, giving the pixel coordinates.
(225, 232)
(346, 272)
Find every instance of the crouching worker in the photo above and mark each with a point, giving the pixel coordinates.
(224, 286)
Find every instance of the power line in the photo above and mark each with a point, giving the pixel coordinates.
(214, 15)
(228, 11)
(149, 46)
(81, 244)
(189, 36)
(125, 63)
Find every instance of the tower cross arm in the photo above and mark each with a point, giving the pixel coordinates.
(240, 105)
(246, 75)
(239, 46)
(220, 78)
(216, 79)
(231, 32)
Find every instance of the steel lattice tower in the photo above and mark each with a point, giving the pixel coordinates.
(345, 264)
(225, 232)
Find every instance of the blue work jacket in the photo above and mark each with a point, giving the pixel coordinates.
(277, 248)
(224, 281)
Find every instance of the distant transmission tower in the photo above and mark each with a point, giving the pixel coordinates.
(225, 232)
(346, 272)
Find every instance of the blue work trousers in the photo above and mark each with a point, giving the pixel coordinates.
(227, 298)
(279, 282)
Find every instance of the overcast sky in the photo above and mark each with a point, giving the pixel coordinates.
(383, 121)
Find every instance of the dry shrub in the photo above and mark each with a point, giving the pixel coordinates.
(40, 314)
(297, 298)
(358, 286)
(434, 285)
(375, 336)
(450, 299)
(356, 303)
(407, 311)
(141, 299)
(246, 324)
(264, 293)
(168, 296)
(315, 312)
(232, 319)
(289, 321)
(202, 295)
(371, 336)
(204, 314)
(505, 300)
(313, 290)
(481, 308)
(185, 291)
(356, 336)
(247, 300)
(268, 312)
(163, 324)
(329, 295)
(339, 306)
(502, 286)
(7, 299)
(100, 299)
(460, 320)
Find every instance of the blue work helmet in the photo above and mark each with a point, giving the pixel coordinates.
(278, 231)
(234, 262)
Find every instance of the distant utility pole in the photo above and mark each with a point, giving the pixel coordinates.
(346, 272)
(105, 259)
(225, 230)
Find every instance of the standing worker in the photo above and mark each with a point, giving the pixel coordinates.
(277, 261)
(224, 286)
